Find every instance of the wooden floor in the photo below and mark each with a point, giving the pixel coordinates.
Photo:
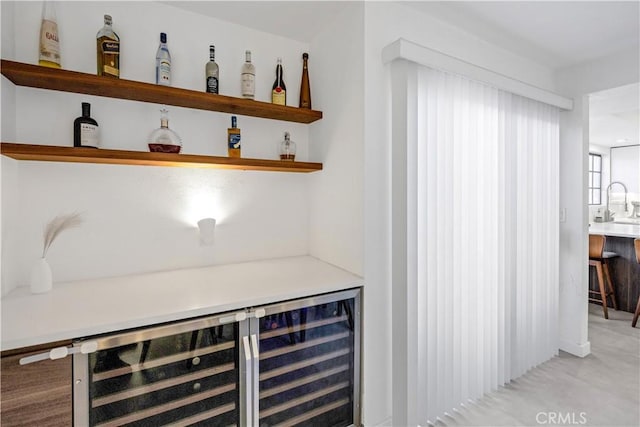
(605, 385)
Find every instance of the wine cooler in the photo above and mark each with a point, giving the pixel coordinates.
(295, 363)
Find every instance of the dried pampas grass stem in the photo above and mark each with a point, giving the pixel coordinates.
(56, 226)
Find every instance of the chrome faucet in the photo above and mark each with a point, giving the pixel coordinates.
(608, 215)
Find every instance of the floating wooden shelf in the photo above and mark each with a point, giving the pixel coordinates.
(48, 153)
(71, 81)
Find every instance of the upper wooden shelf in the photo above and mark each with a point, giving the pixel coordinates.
(49, 153)
(71, 81)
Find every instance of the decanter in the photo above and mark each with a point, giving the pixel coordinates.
(287, 148)
(163, 139)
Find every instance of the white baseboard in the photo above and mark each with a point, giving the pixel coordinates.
(384, 423)
(580, 350)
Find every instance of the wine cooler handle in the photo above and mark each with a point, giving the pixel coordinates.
(257, 313)
(254, 346)
(61, 352)
(236, 317)
(247, 360)
(256, 377)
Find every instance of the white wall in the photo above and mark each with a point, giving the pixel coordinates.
(385, 22)
(336, 203)
(140, 219)
(577, 82)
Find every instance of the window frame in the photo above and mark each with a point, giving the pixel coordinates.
(592, 188)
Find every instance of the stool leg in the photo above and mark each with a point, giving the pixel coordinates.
(636, 314)
(603, 292)
(607, 275)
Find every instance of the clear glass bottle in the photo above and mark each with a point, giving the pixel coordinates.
(163, 139)
(108, 50)
(279, 90)
(86, 132)
(305, 89)
(248, 77)
(287, 148)
(49, 43)
(212, 71)
(163, 62)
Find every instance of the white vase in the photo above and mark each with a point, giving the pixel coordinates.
(41, 278)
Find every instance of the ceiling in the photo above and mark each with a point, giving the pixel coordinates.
(558, 34)
(614, 116)
(296, 20)
(554, 33)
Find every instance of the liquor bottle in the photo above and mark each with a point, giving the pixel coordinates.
(248, 77)
(211, 71)
(163, 62)
(108, 50)
(279, 91)
(305, 90)
(287, 148)
(163, 139)
(49, 43)
(86, 132)
(233, 138)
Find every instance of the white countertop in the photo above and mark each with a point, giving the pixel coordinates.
(615, 229)
(84, 308)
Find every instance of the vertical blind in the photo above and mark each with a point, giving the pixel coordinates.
(486, 192)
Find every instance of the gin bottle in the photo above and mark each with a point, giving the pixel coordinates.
(86, 132)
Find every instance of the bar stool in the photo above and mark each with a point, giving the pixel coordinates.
(598, 258)
(636, 243)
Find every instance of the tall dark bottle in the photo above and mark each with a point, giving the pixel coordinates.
(86, 132)
(279, 91)
(305, 90)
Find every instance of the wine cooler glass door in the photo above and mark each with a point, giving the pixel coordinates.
(309, 362)
(179, 374)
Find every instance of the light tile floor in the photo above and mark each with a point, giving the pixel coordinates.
(605, 385)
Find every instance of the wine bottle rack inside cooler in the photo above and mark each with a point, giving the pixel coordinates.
(307, 365)
(294, 363)
(186, 378)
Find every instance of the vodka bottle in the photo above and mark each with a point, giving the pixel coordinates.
(163, 62)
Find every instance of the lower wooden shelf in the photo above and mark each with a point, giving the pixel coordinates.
(48, 153)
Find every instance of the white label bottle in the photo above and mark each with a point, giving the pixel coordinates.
(86, 132)
(163, 63)
(248, 77)
(212, 71)
(49, 43)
